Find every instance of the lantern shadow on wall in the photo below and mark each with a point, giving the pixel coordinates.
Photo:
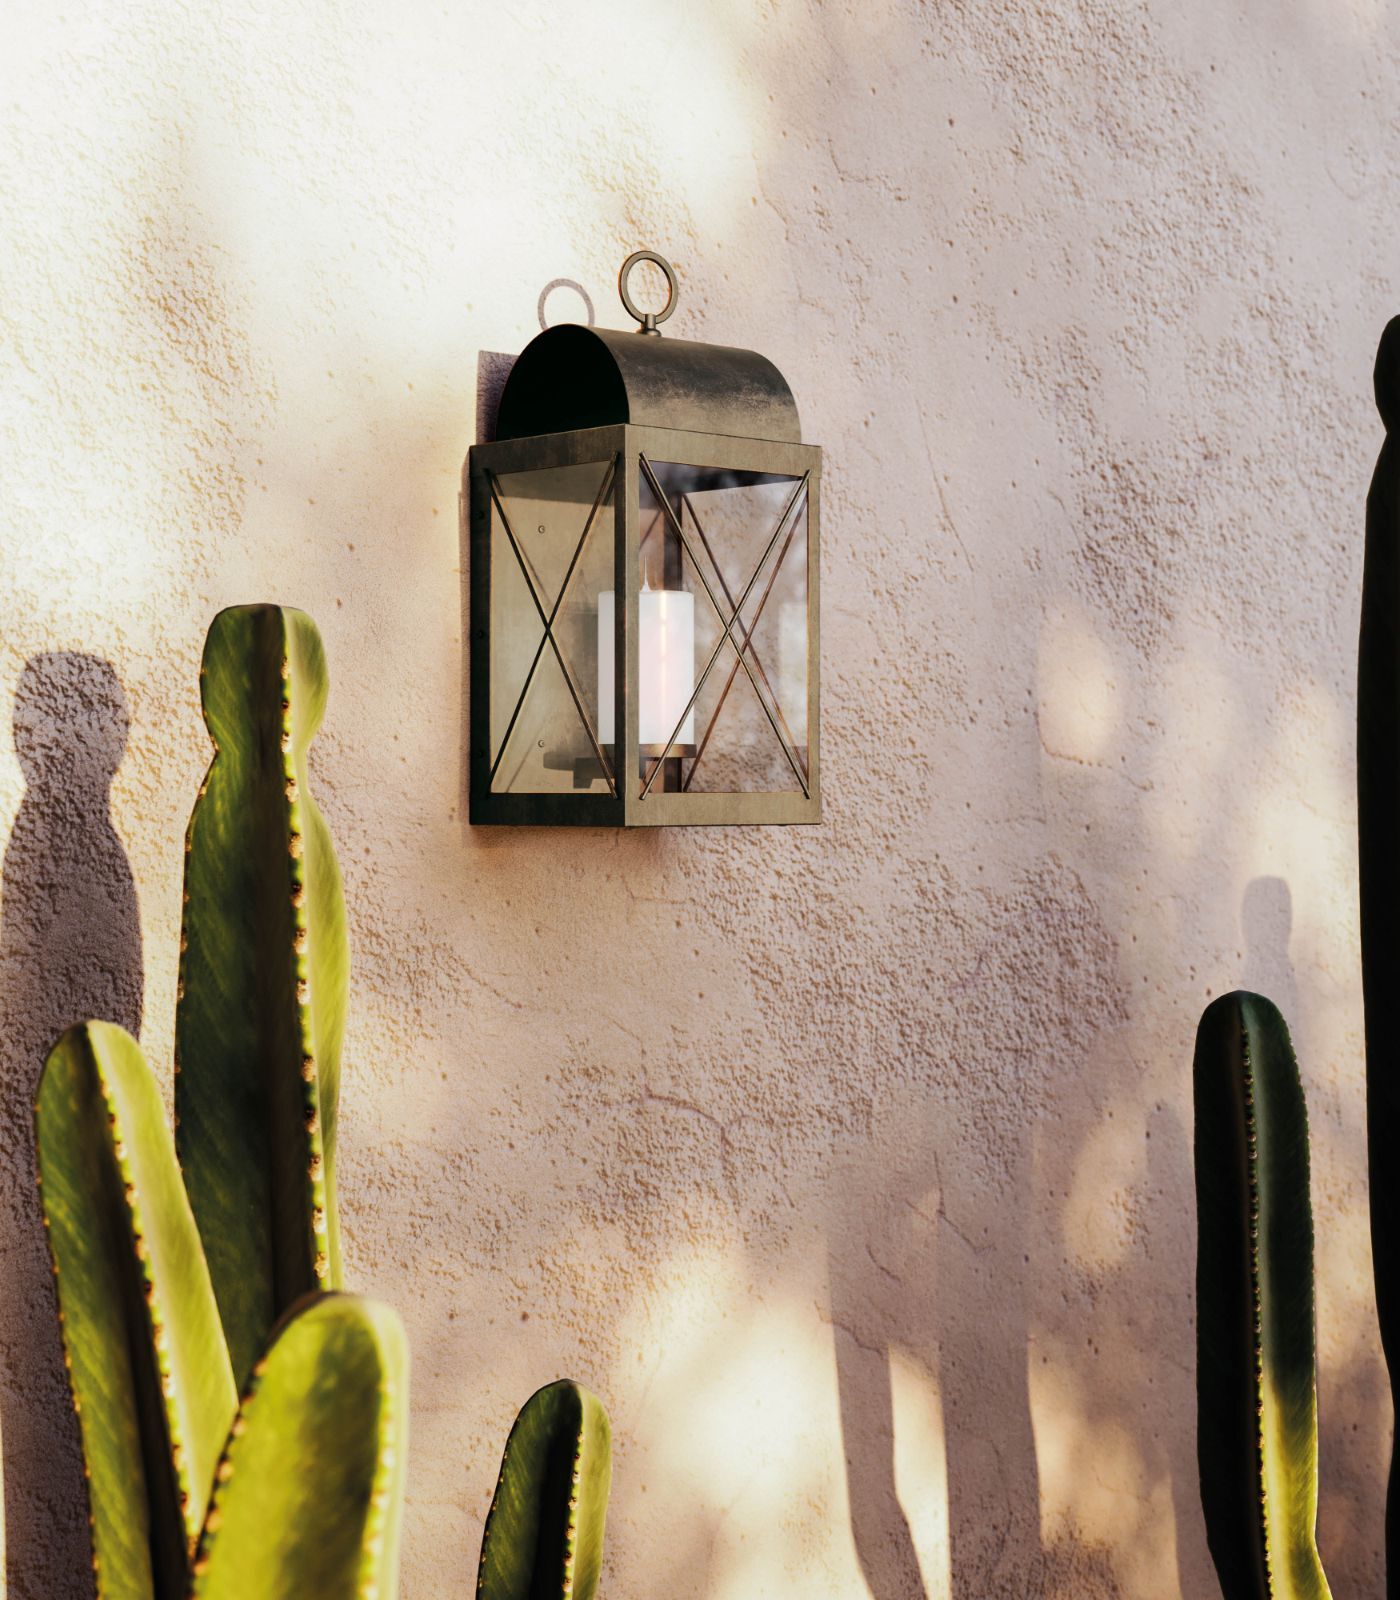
(644, 557)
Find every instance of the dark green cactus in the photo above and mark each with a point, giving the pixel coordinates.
(308, 1491)
(1261, 1512)
(1255, 1355)
(544, 1533)
(146, 1357)
(1378, 806)
(263, 977)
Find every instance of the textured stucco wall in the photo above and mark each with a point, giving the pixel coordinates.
(851, 1165)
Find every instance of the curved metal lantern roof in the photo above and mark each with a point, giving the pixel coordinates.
(575, 377)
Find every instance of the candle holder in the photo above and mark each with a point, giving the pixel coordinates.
(644, 560)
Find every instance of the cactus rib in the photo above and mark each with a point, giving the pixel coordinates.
(147, 1364)
(308, 1491)
(544, 1531)
(263, 979)
(1256, 1362)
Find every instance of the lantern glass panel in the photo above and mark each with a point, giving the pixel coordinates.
(719, 550)
(552, 544)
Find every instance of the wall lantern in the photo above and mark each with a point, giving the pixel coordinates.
(643, 585)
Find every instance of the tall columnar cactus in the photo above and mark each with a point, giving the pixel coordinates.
(165, 1306)
(1256, 1363)
(1378, 810)
(1261, 1510)
(544, 1532)
(264, 971)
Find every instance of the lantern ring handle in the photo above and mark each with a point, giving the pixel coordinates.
(648, 319)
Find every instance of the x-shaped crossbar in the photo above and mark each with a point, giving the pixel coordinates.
(547, 638)
(727, 636)
(748, 641)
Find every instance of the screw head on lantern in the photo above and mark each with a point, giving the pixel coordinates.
(644, 597)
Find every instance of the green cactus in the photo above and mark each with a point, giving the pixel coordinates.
(264, 972)
(1256, 1363)
(167, 1296)
(171, 1291)
(146, 1357)
(308, 1491)
(1378, 800)
(544, 1532)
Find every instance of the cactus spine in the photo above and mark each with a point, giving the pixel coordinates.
(263, 978)
(1256, 1363)
(168, 1296)
(544, 1532)
(1378, 805)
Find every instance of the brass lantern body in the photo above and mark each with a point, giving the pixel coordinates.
(644, 590)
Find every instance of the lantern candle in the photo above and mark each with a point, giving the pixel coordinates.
(666, 666)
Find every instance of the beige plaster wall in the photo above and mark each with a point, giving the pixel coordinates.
(851, 1165)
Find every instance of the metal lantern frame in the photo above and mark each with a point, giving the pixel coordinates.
(627, 449)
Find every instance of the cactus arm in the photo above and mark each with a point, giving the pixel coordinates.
(544, 1532)
(308, 1496)
(263, 981)
(1256, 1365)
(149, 1372)
(1378, 806)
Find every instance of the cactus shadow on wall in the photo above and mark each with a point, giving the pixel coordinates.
(939, 1257)
(880, 1530)
(70, 948)
(968, 1326)
(1266, 920)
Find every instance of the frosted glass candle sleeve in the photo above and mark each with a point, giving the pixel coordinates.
(666, 666)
